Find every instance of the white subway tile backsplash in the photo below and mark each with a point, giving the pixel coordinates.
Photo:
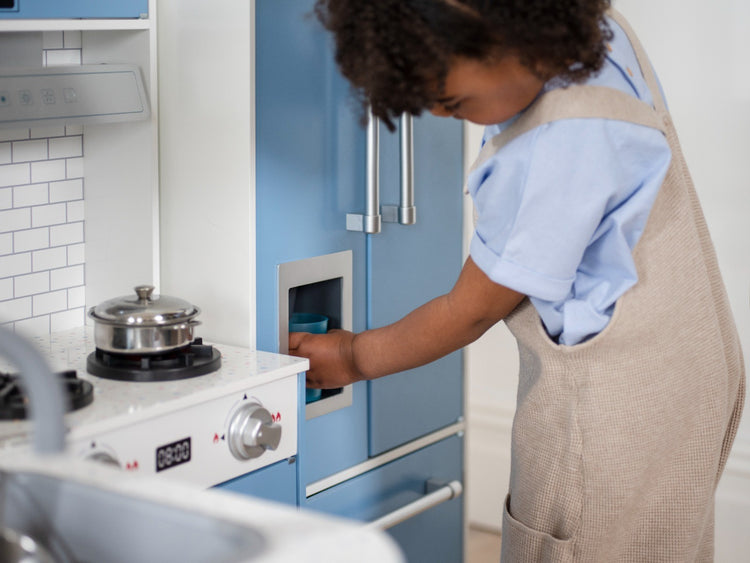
(75, 210)
(46, 131)
(5, 153)
(13, 134)
(66, 277)
(46, 303)
(42, 249)
(67, 319)
(62, 57)
(74, 129)
(44, 215)
(31, 194)
(71, 233)
(72, 39)
(35, 326)
(6, 289)
(31, 239)
(67, 190)
(66, 147)
(6, 198)
(31, 284)
(14, 220)
(52, 40)
(48, 170)
(76, 297)
(6, 244)
(74, 168)
(49, 259)
(15, 265)
(76, 254)
(15, 309)
(14, 174)
(25, 151)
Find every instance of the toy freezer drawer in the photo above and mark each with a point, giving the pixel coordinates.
(73, 9)
(435, 534)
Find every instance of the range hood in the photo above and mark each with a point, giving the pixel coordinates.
(68, 95)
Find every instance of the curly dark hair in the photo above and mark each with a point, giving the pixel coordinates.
(396, 53)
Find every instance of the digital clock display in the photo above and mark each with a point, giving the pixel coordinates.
(173, 454)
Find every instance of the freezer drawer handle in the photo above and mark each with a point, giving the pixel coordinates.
(405, 213)
(370, 221)
(443, 493)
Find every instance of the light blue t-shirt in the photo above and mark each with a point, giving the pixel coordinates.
(561, 207)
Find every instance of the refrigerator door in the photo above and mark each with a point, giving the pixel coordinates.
(411, 264)
(310, 162)
(310, 174)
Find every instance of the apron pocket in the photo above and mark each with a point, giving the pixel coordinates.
(523, 544)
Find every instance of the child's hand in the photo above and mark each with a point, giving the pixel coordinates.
(331, 358)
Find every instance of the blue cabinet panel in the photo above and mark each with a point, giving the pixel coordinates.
(45, 9)
(411, 265)
(433, 536)
(310, 160)
(277, 482)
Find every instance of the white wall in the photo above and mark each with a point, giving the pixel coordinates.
(699, 51)
(207, 153)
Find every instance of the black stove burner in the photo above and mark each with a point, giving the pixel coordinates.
(13, 400)
(189, 361)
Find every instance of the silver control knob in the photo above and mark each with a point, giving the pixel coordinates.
(252, 431)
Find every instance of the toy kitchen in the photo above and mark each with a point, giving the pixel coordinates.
(223, 161)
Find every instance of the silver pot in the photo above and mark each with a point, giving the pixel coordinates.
(142, 324)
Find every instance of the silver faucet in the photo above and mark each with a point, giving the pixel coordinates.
(46, 400)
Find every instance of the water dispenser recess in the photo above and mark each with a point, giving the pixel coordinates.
(319, 285)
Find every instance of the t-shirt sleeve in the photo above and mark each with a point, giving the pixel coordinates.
(544, 198)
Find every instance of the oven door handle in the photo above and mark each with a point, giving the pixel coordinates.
(437, 493)
(369, 223)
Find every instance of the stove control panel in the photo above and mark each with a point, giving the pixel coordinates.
(204, 443)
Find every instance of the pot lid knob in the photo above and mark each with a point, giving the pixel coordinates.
(144, 292)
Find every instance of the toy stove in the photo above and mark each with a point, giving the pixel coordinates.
(211, 414)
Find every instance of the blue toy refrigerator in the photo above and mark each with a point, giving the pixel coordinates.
(367, 450)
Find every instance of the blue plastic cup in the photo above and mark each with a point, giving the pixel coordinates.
(316, 324)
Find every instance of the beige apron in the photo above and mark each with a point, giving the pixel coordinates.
(619, 442)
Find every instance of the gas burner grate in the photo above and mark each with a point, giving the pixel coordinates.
(14, 402)
(189, 361)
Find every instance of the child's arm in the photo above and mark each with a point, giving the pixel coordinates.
(432, 331)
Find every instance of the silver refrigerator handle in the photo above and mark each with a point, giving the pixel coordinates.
(443, 493)
(370, 221)
(407, 212)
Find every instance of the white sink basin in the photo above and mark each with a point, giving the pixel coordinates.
(84, 511)
(80, 522)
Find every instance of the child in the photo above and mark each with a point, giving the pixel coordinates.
(590, 243)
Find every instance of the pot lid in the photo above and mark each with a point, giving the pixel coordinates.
(142, 309)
